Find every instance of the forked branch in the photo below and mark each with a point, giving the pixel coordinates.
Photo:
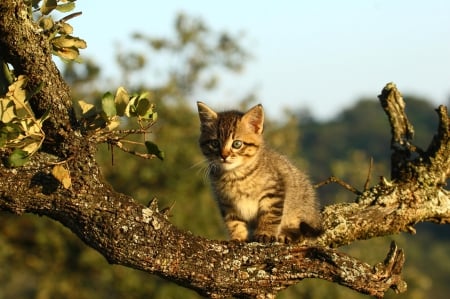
(410, 163)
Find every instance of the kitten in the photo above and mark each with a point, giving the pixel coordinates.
(261, 195)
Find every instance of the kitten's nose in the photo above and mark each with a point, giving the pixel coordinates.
(224, 154)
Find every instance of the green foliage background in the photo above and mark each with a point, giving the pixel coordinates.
(41, 259)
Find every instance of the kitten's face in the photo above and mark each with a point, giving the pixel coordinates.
(230, 139)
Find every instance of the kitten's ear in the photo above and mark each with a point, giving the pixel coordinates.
(205, 113)
(255, 118)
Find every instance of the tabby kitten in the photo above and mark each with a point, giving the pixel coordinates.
(261, 195)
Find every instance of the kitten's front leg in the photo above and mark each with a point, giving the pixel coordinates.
(268, 220)
(267, 228)
(237, 227)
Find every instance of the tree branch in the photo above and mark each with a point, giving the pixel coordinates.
(130, 234)
(409, 162)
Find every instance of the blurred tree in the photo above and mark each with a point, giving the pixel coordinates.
(354, 136)
(189, 61)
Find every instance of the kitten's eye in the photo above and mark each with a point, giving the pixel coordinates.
(214, 144)
(237, 144)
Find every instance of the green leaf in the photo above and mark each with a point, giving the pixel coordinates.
(86, 110)
(18, 158)
(65, 7)
(108, 105)
(130, 110)
(66, 53)
(68, 41)
(121, 99)
(66, 29)
(48, 6)
(3, 139)
(44, 117)
(154, 116)
(153, 149)
(10, 131)
(31, 147)
(7, 110)
(144, 107)
(113, 123)
(6, 73)
(46, 23)
(35, 3)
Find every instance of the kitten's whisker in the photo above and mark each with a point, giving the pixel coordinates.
(207, 171)
(199, 163)
(205, 167)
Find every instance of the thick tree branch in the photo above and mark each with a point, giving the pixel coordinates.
(130, 234)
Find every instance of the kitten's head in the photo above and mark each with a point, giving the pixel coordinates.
(230, 139)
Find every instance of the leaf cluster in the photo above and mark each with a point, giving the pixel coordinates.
(23, 133)
(115, 110)
(59, 33)
(20, 130)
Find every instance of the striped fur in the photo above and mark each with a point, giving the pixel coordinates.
(261, 195)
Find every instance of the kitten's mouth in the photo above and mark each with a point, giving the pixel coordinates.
(225, 164)
(228, 165)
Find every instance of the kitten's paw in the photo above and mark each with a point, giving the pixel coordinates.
(233, 241)
(285, 239)
(263, 238)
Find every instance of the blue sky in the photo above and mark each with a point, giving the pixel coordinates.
(321, 55)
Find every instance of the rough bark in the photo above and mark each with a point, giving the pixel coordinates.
(140, 237)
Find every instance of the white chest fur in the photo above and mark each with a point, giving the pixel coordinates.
(247, 208)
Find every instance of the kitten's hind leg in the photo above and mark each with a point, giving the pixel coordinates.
(289, 235)
(298, 233)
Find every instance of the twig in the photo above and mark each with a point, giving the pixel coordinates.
(333, 179)
(369, 175)
(71, 16)
(127, 150)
